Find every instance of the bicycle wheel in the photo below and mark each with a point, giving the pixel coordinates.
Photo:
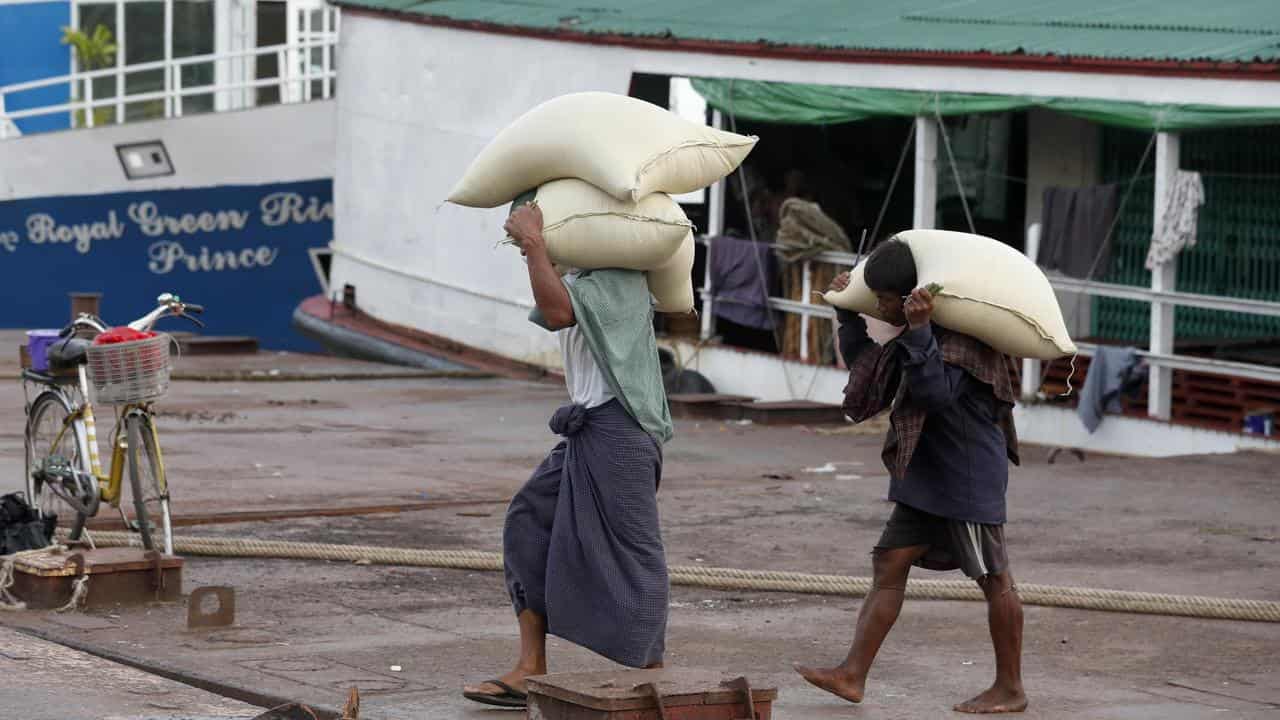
(150, 491)
(71, 499)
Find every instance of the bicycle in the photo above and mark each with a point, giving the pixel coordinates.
(63, 467)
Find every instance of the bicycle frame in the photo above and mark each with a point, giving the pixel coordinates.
(110, 484)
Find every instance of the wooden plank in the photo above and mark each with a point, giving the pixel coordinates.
(793, 412)
(704, 406)
(100, 560)
(622, 689)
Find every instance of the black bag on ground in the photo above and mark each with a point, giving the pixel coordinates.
(21, 528)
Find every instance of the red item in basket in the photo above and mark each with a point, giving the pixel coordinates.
(121, 335)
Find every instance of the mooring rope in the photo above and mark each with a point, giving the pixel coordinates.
(718, 578)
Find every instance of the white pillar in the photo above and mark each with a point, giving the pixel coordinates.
(1164, 277)
(926, 187)
(1032, 368)
(715, 226)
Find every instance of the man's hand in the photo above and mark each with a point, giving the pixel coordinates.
(839, 283)
(918, 308)
(524, 226)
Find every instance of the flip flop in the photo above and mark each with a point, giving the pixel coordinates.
(510, 697)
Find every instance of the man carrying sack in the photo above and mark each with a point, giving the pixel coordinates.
(582, 549)
(950, 440)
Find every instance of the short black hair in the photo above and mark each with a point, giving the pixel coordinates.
(891, 268)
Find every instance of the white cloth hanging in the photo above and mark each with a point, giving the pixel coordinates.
(1177, 227)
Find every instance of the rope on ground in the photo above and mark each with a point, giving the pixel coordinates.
(79, 587)
(717, 578)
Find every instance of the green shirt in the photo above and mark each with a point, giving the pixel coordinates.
(614, 311)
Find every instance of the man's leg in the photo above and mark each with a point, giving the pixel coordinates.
(1004, 614)
(878, 613)
(526, 535)
(533, 656)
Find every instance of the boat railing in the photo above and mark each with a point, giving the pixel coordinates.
(303, 71)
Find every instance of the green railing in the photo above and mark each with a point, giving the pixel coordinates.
(1237, 253)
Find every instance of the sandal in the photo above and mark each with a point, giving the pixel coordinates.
(510, 697)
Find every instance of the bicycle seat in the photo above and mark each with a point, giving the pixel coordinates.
(69, 353)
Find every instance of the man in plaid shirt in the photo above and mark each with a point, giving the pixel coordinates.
(950, 440)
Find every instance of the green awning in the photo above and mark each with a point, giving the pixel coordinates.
(803, 104)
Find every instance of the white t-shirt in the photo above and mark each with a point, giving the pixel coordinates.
(586, 384)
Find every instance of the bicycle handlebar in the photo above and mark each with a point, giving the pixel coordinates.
(167, 305)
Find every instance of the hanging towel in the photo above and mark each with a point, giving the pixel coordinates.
(1112, 372)
(1177, 227)
(1074, 224)
(738, 286)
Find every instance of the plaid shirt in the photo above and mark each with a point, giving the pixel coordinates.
(876, 371)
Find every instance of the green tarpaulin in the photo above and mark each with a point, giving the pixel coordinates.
(801, 104)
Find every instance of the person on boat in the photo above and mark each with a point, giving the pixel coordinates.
(950, 441)
(582, 550)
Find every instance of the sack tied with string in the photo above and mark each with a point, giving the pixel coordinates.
(990, 291)
(627, 147)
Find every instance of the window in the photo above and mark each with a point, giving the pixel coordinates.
(141, 32)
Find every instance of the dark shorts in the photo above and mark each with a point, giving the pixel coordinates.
(975, 548)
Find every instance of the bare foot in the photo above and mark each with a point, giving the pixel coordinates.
(995, 700)
(836, 681)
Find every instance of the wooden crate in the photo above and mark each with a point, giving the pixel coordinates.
(629, 695)
(117, 576)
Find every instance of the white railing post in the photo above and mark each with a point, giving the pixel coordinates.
(1032, 368)
(308, 35)
(1163, 278)
(715, 227)
(806, 284)
(88, 99)
(4, 120)
(282, 77)
(326, 50)
(924, 216)
(121, 49)
(168, 56)
(177, 94)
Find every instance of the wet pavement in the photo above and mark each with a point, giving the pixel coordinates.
(806, 499)
(47, 681)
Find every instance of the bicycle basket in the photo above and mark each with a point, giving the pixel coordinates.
(130, 372)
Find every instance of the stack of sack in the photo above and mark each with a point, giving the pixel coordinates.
(603, 167)
(804, 231)
(989, 291)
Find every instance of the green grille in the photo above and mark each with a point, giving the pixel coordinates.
(1237, 252)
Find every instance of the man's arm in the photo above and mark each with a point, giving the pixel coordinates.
(549, 293)
(932, 384)
(854, 339)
